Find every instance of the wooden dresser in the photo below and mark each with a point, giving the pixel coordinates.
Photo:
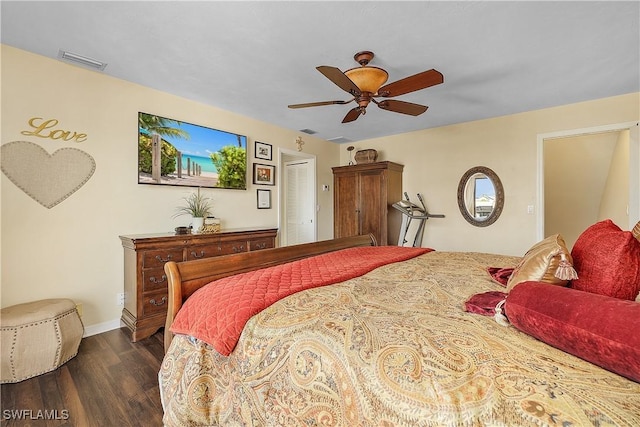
(362, 199)
(145, 283)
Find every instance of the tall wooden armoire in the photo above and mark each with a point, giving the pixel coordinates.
(362, 199)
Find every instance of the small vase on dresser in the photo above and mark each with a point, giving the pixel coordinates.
(196, 224)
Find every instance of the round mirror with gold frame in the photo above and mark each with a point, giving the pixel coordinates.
(480, 196)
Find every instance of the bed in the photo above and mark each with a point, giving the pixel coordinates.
(393, 346)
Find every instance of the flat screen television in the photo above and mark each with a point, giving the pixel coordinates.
(173, 152)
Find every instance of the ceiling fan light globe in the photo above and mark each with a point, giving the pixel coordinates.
(368, 79)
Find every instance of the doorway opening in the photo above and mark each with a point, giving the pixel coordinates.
(587, 175)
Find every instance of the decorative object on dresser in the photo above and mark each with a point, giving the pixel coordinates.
(366, 156)
(363, 196)
(183, 230)
(199, 207)
(145, 283)
(211, 225)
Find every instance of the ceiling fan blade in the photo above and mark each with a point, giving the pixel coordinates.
(418, 81)
(318, 104)
(340, 79)
(402, 107)
(353, 114)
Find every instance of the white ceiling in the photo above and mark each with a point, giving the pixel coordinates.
(255, 58)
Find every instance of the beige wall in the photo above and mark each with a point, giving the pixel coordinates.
(73, 250)
(436, 159)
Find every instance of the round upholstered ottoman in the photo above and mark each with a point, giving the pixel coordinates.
(38, 337)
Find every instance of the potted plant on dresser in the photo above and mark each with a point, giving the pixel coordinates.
(198, 207)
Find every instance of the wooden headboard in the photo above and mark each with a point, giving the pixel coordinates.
(188, 276)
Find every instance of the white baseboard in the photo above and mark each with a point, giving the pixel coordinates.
(101, 327)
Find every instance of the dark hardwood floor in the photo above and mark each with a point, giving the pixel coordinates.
(111, 382)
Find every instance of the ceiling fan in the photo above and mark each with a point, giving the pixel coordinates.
(364, 83)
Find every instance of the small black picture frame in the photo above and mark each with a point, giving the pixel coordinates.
(262, 151)
(264, 174)
(264, 199)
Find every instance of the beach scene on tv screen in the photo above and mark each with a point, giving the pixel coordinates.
(174, 152)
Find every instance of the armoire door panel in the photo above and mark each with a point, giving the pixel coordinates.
(346, 205)
(372, 194)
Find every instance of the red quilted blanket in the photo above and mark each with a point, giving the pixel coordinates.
(217, 312)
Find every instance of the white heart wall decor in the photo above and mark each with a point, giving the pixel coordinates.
(46, 178)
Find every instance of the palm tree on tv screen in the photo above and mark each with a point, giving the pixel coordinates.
(148, 125)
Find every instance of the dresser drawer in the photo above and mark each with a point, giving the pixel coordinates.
(159, 257)
(155, 303)
(203, 251)
(154, 279)
(233, 247)
(256, 245)
(217, 249)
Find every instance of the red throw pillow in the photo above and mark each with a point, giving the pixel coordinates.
(607, 261)
(596, 328)
(484, 303)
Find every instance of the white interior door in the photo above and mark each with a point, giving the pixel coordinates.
(299, 203)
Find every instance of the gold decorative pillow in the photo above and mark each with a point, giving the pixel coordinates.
(548, 261)
(636, 231)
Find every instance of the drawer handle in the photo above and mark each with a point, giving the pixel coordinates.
(237, 249)
(195, 255)
(158, 304)
(154, 280)
(159, 258)
(261, 245)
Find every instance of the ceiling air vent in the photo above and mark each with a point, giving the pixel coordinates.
(308, 131)
(339, 140)
(81, 60)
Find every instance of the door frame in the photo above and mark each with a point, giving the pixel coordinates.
(285, 155)
(634, 167)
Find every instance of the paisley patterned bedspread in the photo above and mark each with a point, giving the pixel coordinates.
(391, 348)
